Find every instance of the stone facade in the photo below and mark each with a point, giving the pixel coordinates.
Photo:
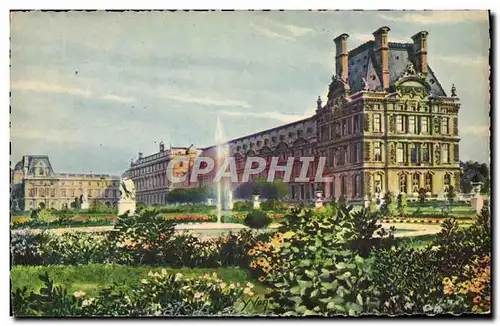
(36, 185)
(388, 124)
(149, 173)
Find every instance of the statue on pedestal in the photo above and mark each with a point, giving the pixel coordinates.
(127, 197)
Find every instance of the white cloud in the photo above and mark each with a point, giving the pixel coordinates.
(295, 30)
(207, 101)
(116, 98)
(269, 33)
(43, 87)
(437, 17)
(282, 117)
(369, 37)
(483, 130)
(463, 60)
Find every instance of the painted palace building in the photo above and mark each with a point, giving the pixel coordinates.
(36, 185)
(387, 125)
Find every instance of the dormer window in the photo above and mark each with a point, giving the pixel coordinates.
(274, 139)
(282, 137)
(238, 148)
(309, 130)
(259, 143)
(266, 141)
(290, 134)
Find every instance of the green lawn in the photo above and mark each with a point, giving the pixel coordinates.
(94, 277)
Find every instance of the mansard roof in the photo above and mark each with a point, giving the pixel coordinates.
(32, 161)
(363, 64)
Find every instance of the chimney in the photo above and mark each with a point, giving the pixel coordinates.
(382, 53)
(420, 49)
(341, 57)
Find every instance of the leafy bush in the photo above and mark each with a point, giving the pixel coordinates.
(310, 271)
(457, 247)
(405, 279)
(273, 205)
(389, 207)
(257, 219)
(160, 294)
(402, 205)
(242, 206)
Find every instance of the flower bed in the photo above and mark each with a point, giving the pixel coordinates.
(436, 220)
(241, 216)
(190, 218)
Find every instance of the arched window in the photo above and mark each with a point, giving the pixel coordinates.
(355, 186)
(342, 185)
(416, 183)
(447, 182)
(403, 183)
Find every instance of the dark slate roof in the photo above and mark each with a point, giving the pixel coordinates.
(30, 161)
(363, 63)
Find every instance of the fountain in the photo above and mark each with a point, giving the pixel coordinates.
(224, 198)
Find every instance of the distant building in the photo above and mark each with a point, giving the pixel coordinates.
(36, 185)
(387, 125)
(149, 173)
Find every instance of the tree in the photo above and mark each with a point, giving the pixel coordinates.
(402, 205)
(474, 172)
(389, 206)
(334, 205)
(342, 201)
(451, 194)
(422, 194)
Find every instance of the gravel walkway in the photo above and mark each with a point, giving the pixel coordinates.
(212, 229)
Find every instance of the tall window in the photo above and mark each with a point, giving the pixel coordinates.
(63, 192)
(377, 122)
(356, 123)
(355, 185)
(344, 127)
(414, 153)
(399, 123)
(412, 125)
(358, 152)
(416, 183)
(52, 192)
(425, 153)
(424, 124)
(447, 182)
(402, 183)
(428, 182)
(445, 126)
(347, 159)
(445, 153)
(342, 185)
(354, 158)
(378, 152)
(400, 153)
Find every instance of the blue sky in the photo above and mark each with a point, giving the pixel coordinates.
(92, 89)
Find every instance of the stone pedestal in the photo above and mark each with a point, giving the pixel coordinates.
(126, 205)
(477, 203)
(210, 201)
(256, 202)
(318, 203)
